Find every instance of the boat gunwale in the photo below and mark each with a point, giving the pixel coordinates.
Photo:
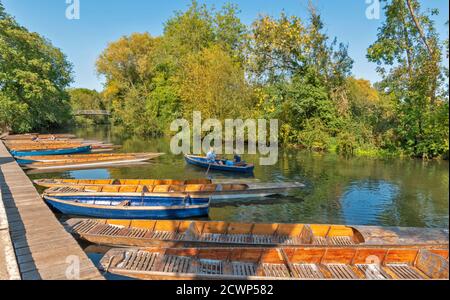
(196, 158)
(115, 207)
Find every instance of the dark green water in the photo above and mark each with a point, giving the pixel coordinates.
(357, 191)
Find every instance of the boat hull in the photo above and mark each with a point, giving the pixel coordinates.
(297, 263)
(207, 234)
(124, 213)
(202, 162)
(64, 151)
(90, 164)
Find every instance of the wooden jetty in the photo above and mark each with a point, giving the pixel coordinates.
(43, 249)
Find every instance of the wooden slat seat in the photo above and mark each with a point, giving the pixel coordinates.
(85, 226)
(176, 264)
(319, 240)
(289, 240)
(238, 238)
(263, 239)
(372, 271)
(307, 271)
(213, 237)
(137, 233)
(244, 269)
(340, 271)
(209, 267)
(276, 270)
(404, 271)
(340, 241)
(166, 235)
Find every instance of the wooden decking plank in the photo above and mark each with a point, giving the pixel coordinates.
(41, 243)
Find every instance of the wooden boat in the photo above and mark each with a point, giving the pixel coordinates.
(60, 158)
(174, 207)
(49, 183)
(39, 146)
(51, 151)
(46, 141)
(90, 162)
(220, 165)
(215, 191)
(30, 136)
(163, 233)
(297, 263)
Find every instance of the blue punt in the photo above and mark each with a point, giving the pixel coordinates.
(62, 151)
(225, 166)
(132, 208)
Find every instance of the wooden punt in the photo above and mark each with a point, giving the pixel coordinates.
(296, 263)
(54, 182)
(46, 141)
(215, 191)
(57, 144)
(219, 165)
(174, 207)
(51, 151)
(39, 146)
(59, 158)
(163, 233)
(90, 162)
(30, 136)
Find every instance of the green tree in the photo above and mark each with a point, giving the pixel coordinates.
(408, 52)
(214, 83)
(33, 79)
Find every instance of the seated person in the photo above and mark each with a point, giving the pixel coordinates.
(211, 155)
(238, 160)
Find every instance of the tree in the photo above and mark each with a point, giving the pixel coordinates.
(214, 83)
(33, 78)
(408, 52)
(138, 83)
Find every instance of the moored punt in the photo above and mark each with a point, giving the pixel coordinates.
(59, 158)
(297, 263)
(52, 151)
(39, 146)
(215, 191)
(164, 233)
(30, 136)
(219, 165)
(174, 207)
(90, 162)
(95, 182)
(45, 141)
(99, 156)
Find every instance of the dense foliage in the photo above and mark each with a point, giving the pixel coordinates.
(283, 67)
(288, 69)
(34, 76)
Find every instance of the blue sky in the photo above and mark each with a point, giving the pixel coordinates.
(104, 21)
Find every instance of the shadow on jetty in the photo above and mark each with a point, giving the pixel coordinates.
(17, 230)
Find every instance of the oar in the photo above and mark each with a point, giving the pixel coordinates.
(209, 166)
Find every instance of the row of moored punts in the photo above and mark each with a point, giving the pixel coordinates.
(64, 151)
(220, 250)
(144, 223)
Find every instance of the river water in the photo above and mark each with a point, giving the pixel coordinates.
(358, 191)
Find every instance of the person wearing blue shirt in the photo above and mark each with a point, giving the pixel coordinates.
(211, 155)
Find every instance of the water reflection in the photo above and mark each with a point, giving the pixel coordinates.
(342, 191)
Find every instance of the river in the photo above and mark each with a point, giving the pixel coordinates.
(358, 191)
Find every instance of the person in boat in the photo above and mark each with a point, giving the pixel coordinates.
(211, 157)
